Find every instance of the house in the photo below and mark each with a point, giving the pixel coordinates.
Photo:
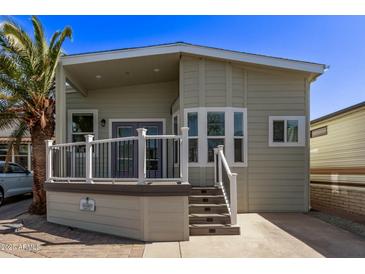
(338, 161)
(179, 138)
(19, 154)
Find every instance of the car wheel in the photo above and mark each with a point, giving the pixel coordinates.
(1, 197)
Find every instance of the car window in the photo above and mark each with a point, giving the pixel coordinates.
(1, 168)
(15, 169)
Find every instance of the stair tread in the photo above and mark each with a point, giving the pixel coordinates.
(213, 226)
(207, 205)
(207, 215)
(205, 187)
(207, 196)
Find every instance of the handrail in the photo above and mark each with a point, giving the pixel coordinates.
(232, 199)
(91, 149)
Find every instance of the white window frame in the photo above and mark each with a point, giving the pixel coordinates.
(228, 137)
(71, 112)
(301, 131)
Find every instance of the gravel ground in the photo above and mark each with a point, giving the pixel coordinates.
(340, 222)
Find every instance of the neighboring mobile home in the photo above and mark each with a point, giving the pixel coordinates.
(214, 117)
(338, 161)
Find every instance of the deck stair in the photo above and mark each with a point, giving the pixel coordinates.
(208, 213)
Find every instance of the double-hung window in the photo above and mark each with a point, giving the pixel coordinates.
(286, 131)
(210, 127)
(81, 123)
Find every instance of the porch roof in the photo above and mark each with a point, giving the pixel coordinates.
(159, 63)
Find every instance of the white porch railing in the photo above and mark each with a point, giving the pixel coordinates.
(228, 184)
(138, 158)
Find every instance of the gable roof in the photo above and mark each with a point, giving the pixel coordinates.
(181, 47)
(339, 112)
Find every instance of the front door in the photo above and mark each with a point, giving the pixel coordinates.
(125, 154)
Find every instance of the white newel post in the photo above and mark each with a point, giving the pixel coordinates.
(233, 198)
(88, 159)
(184, 155)
(49, 175)
(215, 166)
(141, 155)
(220, 176)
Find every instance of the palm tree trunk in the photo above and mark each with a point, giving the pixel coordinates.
(39, 136)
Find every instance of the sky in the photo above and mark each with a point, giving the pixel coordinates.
(337, 41)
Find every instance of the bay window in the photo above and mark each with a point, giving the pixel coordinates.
(286, 131)
(210, 127)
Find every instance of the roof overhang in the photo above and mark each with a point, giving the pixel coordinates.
(190, 49)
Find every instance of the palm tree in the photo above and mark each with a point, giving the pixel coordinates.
(27, 94)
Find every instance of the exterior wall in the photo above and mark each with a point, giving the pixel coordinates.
(338, 163)
(130, 102)
(276, 178)
(142, 218)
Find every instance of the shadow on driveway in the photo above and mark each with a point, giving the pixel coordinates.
(328, 240)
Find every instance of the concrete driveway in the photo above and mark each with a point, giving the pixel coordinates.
(269, 235)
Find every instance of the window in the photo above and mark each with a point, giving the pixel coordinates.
(210, 127)
(81, 123)
(318, 132)
(15, 169)
(192, 118)
(286, 131)
(215, 132)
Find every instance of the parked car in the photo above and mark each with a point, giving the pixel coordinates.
(15, 180)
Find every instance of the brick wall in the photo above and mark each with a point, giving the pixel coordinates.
(334, 197)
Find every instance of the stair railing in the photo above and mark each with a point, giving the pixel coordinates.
(229, 188)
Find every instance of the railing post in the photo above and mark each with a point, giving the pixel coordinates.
(220, 177)
(141, 155)
(184, 155)
(215, 166)
(49, 174)
(233, 198)
(88, 158)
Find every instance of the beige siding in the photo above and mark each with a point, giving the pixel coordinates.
(276, 175)
(142, 218)
(276, 179)
(344, 145)
(140, 101)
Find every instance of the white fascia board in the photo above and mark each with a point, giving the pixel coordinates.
(195, 50)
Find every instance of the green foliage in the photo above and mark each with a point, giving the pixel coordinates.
(27, 76)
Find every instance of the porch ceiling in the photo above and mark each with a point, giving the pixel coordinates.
(124, 72)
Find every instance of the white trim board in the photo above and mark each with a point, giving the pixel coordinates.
(183, 48)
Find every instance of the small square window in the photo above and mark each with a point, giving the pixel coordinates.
(286, 131)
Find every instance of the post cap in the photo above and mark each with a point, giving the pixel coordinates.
(141, 130)
(220, 147)
(89, 137)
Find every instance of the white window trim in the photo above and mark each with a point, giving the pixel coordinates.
(301, 131)
(81, 111)
(228, 137)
